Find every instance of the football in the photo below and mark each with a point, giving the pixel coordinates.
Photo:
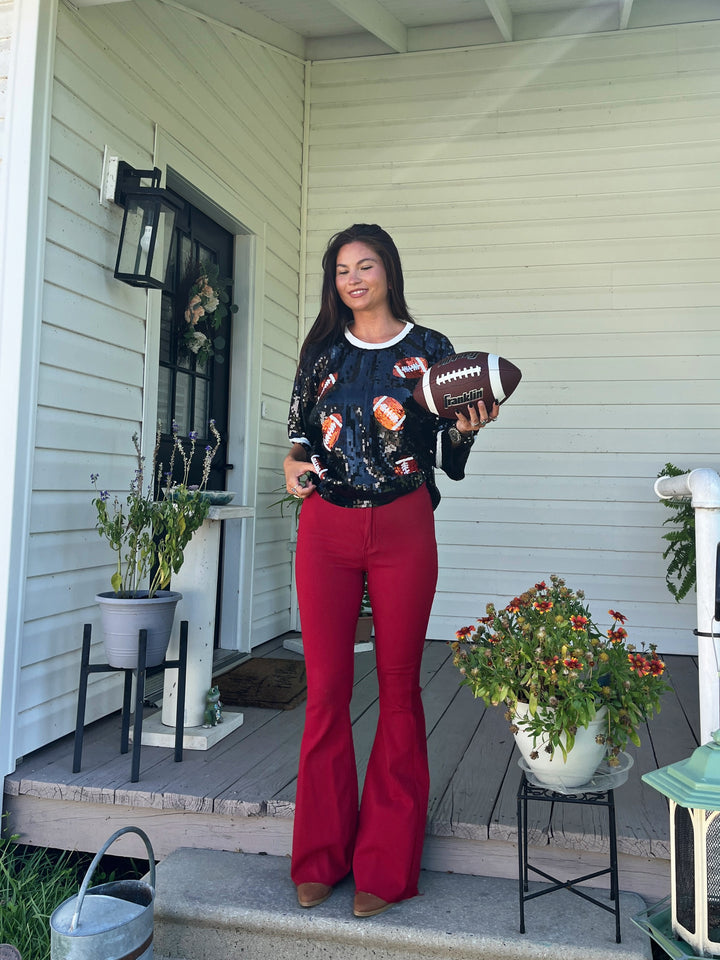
(410, 368)
(389, 412)
(331, 429)
(452, 384)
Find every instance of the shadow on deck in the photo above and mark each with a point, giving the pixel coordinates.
(239, 795)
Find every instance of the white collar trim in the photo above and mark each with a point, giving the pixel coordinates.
(364, 345)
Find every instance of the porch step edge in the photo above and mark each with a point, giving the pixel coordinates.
(215, 905)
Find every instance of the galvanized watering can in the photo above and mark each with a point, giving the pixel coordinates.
(113, 921)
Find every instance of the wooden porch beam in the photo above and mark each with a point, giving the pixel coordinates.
(625, 10)
(503, 17)
(376, 20)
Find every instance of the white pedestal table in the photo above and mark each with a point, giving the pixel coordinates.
(197, 582)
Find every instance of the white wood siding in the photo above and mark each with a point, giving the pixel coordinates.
(6, 12)
(555, 202)
(237, 108)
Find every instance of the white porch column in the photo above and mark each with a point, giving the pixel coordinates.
(197, 581)
(703, 487)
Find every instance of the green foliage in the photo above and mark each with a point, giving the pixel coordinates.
(543, 649)
(681, 574)
(290, 500)
(149, 532)
(33, 882)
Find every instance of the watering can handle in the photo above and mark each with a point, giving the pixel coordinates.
(98, 857)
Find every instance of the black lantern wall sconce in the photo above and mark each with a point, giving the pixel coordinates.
(147, 227)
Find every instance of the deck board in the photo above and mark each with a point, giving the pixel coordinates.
(448, 743)
(241, 793)
(470, 794)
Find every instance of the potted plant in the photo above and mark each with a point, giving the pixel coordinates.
(148, 533)
(557, 673)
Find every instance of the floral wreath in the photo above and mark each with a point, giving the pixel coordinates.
(206, 306)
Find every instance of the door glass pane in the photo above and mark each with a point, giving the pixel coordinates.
(205, 253)
(164, 400)
(183, 399)
(185, 251)
(172, 266)
(166, 329)
(202, 403)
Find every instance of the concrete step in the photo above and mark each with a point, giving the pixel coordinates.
(214, 905)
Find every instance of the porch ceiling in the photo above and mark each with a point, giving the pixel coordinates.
(330, 29)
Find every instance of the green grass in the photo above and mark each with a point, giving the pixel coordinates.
(33, 881)
(36, 880)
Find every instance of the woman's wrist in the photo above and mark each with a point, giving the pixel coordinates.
(457, 437)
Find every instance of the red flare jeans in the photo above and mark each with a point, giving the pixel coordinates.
(381, 842)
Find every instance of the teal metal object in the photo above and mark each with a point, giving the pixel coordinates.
(656, 923)
(693, 783)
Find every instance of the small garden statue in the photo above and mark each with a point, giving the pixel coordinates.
(213, 708)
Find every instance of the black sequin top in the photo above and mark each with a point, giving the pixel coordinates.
(352, 408)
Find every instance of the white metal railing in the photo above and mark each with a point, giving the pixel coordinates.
(702, 486)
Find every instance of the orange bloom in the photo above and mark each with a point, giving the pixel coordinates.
(578, 622)
(639, 664)
(543, 605)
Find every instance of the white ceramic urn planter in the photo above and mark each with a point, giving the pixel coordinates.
(124, 617)
(556, 771)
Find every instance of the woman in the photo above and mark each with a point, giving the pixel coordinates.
(362, 459)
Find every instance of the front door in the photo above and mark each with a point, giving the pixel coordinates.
(193, 386)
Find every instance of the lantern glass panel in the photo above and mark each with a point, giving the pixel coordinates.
(712, 841)
(164, 243)
(146, 240)
(132, 258)
(684, 869)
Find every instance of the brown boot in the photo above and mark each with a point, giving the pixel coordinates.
(312, 894)
(368, 905)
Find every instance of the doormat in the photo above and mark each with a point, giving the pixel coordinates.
(264, 682)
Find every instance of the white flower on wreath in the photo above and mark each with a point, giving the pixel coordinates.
(198, 342)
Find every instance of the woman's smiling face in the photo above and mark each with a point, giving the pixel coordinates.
(360, 277)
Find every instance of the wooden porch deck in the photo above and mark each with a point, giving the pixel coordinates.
(240, 794)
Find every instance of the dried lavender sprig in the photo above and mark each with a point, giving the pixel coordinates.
(210, 454)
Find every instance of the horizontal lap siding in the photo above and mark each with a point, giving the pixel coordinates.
(238, 108)
(6, 13)
(555, 202)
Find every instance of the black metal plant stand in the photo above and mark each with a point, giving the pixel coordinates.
(601, 798)
(143, 671)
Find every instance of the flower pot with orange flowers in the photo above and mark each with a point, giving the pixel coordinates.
(572, 692)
